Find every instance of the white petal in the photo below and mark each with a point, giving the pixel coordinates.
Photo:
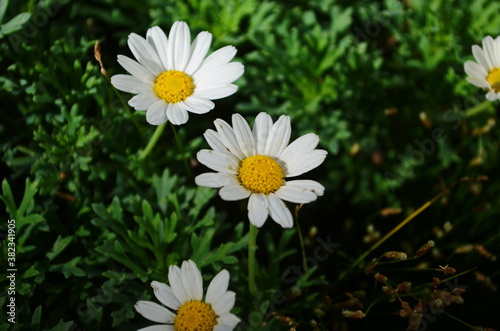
(278, 136)
(228, 138)
(216, 59)
(220, 75)
(478, 81)
(262, 126)
(496, 54)
(233, 192)
(154, 312)
(216, 91)
(143, 101)
(258, 209)
(178, 47)
(198, 105)
(492, 96)
(300, 146)
(191, 278)
(136, 69)
(218, 286)
(279, 212)
(175, 279)
(130, 84)
(163, 327)
(214, 141)
(213, 179)
(300, 191)
(199, 50)
(157, 38)
(488, 48)
(165, 295)
(176, 114)
(156, 113)
(224, 303)
(474, 69)
(479, 55)
(229, 320)
(222, 328)
(305, 163)
(218, 161)
(243, 135)
(144, 53)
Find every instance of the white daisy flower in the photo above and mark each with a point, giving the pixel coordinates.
(255, 164)
(184, 295)
(486, 72)
(172, 77)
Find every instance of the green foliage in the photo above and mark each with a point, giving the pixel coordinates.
(382, 84)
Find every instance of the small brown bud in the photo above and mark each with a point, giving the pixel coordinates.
(437, 306)
(404, 287)
(405, 309)
(357, 314)
(380, 278)
(484, 252)
(390, 111)
(464, 249)
(447, 270)
(388, 290)
(436, 281)
(389, 211)
(425, 248)
(395, 255)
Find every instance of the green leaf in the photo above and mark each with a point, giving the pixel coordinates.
(59, 246)
(63, 326)
(14, 24)
(31, 272)
(3, 8)
(29, 192)
(35, 320)
(8, 199)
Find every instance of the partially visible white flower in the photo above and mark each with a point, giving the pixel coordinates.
(254, 164)
(184, 295)
(486, 72)
(172, 76)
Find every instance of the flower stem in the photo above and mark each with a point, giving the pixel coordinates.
(252, 264)
(152, 142)
(181, 151)
(472, 327)
(304, 264)
(477, 109)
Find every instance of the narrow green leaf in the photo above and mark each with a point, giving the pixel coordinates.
(8, 199)
(35, 320)
(3, 8)
(15, 24)
(59, 246)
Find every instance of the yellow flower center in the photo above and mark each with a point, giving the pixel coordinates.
(260, 174)
(173, 86)
(494, 79)
(195, 315)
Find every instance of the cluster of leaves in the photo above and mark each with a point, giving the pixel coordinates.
(382, 84)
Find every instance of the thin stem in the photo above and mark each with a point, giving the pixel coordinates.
(304, 264)
(252, 264)
(408, 219)
(104, 72)
(181, 151)
(152, 142)
(477, 109)
(464, 323)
